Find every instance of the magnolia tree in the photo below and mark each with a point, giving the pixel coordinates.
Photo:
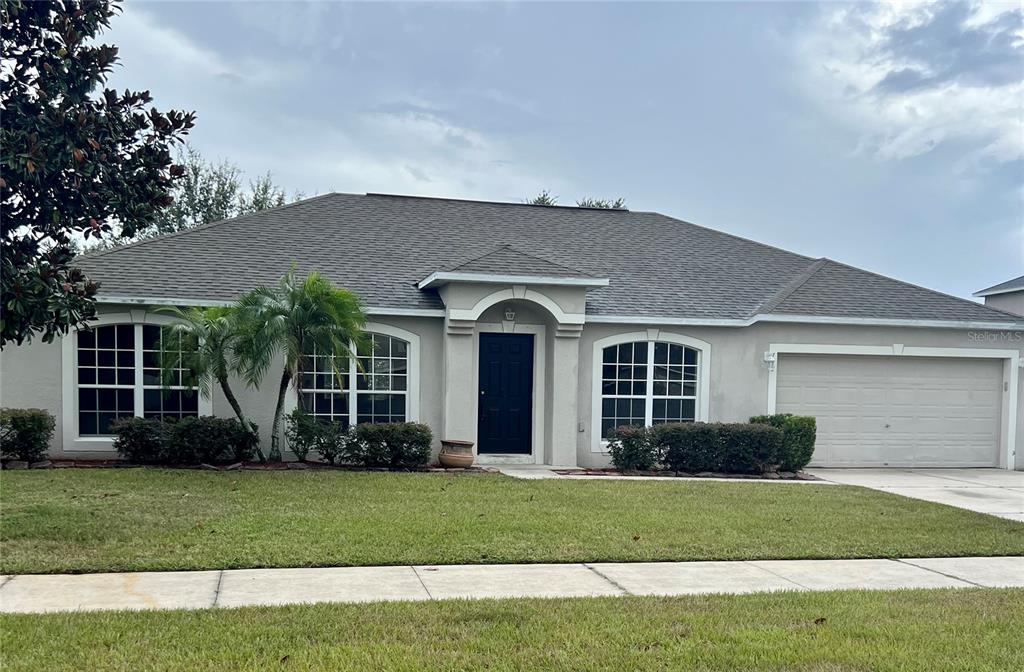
(77, 160)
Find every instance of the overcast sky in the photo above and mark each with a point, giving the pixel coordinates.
(887, 137)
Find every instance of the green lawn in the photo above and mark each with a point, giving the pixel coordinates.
(147, 519)
(978, 630)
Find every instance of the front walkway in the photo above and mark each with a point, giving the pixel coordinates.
(997, 492)
(246, 587)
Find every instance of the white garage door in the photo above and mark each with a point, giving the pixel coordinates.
(896, 411)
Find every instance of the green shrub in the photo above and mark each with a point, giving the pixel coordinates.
(25, 433)
(140, 441)
(334, 443)
(697, 446)
(395, 445)
(302, 432)
(748, 448)
(798, 435)
(306, 434)
(633, 448)
(689, 446)
(209, 440)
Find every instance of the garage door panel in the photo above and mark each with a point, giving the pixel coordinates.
(896, 411)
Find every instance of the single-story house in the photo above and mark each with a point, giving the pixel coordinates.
(1006, 296)
(532, 330)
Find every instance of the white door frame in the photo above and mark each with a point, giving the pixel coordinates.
(1011, 375)
(539, 332)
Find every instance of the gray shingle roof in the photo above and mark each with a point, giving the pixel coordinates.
(837, 290)
(1015, 285)
(506, 260)
(381, 246)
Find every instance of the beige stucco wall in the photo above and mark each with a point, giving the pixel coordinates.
(739, 375)
(30, 375)
(30, 378)
(1011, 302)
(258, 403)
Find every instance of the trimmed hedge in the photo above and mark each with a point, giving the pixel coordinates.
(140, 440)
(633, 448)
(391, 445)
(193, 440)
(395, 445)
(25, 433)
(306, 434)
(740, 448)
(209, 440)
(689, 446)
(748, 448)
(798, 435)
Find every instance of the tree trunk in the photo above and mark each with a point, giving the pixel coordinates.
(275, 440)
(230, 396)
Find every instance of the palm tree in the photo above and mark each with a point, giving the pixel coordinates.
(209, 337)
(290, 321)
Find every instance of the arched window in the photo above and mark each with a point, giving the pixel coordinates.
(648, 383)
(375, 391)
(118, 376)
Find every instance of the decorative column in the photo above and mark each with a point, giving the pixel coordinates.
(459, 420)
(565, 360)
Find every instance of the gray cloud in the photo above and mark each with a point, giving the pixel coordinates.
(699, 110)
(946, 48)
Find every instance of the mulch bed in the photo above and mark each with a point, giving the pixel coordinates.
(774, 476)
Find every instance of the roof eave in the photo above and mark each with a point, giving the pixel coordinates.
(994, 292)
(440, 278)
(806, 319)
(212, 303)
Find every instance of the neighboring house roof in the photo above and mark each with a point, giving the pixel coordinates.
(1015, 285)
(382, 246)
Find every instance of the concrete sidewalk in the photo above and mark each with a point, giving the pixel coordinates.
(246, 587)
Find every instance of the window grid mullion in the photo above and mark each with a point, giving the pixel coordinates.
(649, 397)
(353, 368)
(139, 387)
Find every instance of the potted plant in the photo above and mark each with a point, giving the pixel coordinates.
(456, 454)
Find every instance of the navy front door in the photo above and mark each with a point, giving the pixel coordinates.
(505, 419)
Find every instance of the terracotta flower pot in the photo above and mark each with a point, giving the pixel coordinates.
(456, 454)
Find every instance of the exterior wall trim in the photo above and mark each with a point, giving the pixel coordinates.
(616, 319)
(802, 319)
(526, 294)
(71, 441)
(1011, 374)
(597, 442)
(216, 303)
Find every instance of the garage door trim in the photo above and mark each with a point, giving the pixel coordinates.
(1011, 373)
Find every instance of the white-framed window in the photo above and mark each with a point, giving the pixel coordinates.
(117, 375)
(375, 391)
(648, 383)
(177, 399)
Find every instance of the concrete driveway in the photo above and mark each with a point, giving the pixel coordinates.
(994, 491)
